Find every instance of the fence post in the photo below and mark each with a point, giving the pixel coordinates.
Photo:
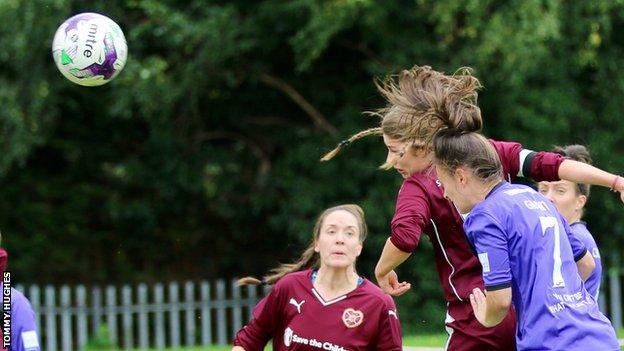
(174, 315)
(189, 313)
(66, 327)
(111, 315)
(96, 305)
(251, 300)
(237, 313)
(50, 303)
(126, 322)
(143, 329)
(35, 300)
(81, 303)
(616, 294)
(221, 313)
(206, 314)
(160, 318)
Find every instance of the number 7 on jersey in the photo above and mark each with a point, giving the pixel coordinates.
(551, 222)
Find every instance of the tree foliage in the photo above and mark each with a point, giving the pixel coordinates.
(201, 158)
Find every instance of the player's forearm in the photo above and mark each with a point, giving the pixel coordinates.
(586, 266)
(494, 314)
(391, 257)
(497, 304)
(237, 348)
(579, 172)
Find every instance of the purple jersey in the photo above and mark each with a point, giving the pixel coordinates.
(24, 335)
(523, 242)
(592, 284)
(297, 317)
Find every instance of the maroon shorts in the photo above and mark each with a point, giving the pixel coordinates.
(467, 334)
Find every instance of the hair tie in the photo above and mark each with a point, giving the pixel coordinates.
(344, 143)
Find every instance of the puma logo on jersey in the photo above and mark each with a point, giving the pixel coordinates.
(393, 313)
(298, 305)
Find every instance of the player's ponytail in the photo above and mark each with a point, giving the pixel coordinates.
(308, 259)
(371, 131)
(422, 101)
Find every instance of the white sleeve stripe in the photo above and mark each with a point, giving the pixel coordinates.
(523, 155)
(30, 340)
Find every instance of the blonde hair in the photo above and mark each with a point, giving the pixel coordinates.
(309, 258)
(421, 102)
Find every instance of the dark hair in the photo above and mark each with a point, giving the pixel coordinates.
(309, 258)
(577, 153)
(454, 148)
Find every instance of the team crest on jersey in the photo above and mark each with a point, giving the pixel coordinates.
(352, 318)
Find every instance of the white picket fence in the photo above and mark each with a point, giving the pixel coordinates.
(142, 316)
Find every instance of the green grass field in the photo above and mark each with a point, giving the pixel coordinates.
(432, 340)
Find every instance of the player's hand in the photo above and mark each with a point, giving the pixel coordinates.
(390, 284)
(479, 305)
(619, 187)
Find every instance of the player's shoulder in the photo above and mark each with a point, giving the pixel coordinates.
(422, 182)
(19, 299)
(497, 203)
(505, 146)
(17, 295)
(511, 193)
(580, 230)
(579, 227)
(374, 292)
(293, 279)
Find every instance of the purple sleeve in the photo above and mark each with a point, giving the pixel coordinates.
(578, 247)
(24, 336)
(389, 328)
(257, 333)
(490, 243)
(410, 217)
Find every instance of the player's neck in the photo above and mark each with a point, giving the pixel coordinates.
(485, 189)
(333, 282)
(477, 192)
(575, 217)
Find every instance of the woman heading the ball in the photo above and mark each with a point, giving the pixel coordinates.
(408, 123)
(526, 248)
(320, 302)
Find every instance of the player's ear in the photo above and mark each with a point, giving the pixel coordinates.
(581, 200)
(460, 175)
(359, 250)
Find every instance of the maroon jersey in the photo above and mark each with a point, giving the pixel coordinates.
(422, 208)
(297, 317)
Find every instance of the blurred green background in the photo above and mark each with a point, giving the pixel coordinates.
(200, 160)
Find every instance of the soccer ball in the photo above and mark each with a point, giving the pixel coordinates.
(89, 49)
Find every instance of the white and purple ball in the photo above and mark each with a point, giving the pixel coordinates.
(89, 49)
